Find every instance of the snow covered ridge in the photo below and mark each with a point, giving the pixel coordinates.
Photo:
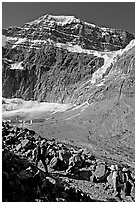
(60, 20)
(68, 29)
(109, 57)
(69, 46)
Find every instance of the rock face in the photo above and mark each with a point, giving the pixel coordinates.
(53, 57)
(48, 74)
(68, 29)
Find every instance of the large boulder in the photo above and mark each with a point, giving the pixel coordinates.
(100, 170)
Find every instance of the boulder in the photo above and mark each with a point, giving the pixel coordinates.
(51, 180)
(18, 147)
(100, 170)
(54, 163)
(24, 143)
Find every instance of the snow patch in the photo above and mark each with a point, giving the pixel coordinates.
(20, 41)
(6, 39)
(13, 106)
(92, 25)
(100, 84)
(17, 66)
(63, 20)
(79, 49)
(109, 59)
(7, 60)
(59, 20)
(128, 47)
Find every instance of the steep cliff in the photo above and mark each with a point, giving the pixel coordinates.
(59, 59)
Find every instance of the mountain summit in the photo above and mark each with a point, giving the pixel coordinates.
(59, 20)
(70, 30)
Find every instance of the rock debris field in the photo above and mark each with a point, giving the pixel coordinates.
(24, 181)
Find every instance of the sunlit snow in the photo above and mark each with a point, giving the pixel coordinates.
(17, 65)
(12, 106)
(20, 41)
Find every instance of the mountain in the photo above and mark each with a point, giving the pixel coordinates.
(50, 58)
(64, 60)
(68, 29)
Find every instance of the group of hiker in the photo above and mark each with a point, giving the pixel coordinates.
(123, 182)
(71, 161)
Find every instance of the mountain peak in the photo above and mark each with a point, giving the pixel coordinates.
(69, 30)
(60, 19)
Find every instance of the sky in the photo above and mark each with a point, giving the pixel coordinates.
(106, 14)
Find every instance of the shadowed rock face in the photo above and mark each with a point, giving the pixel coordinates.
(57, 75)
(49, 74)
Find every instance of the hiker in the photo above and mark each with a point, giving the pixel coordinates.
(119, 179)
(102, 178)
(56, 157)
(57, 160)
(63, 157)
(75, 162)
(41, 153)
(129, 183)
(50, 154)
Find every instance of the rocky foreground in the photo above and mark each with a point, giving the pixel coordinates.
(23, 181)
